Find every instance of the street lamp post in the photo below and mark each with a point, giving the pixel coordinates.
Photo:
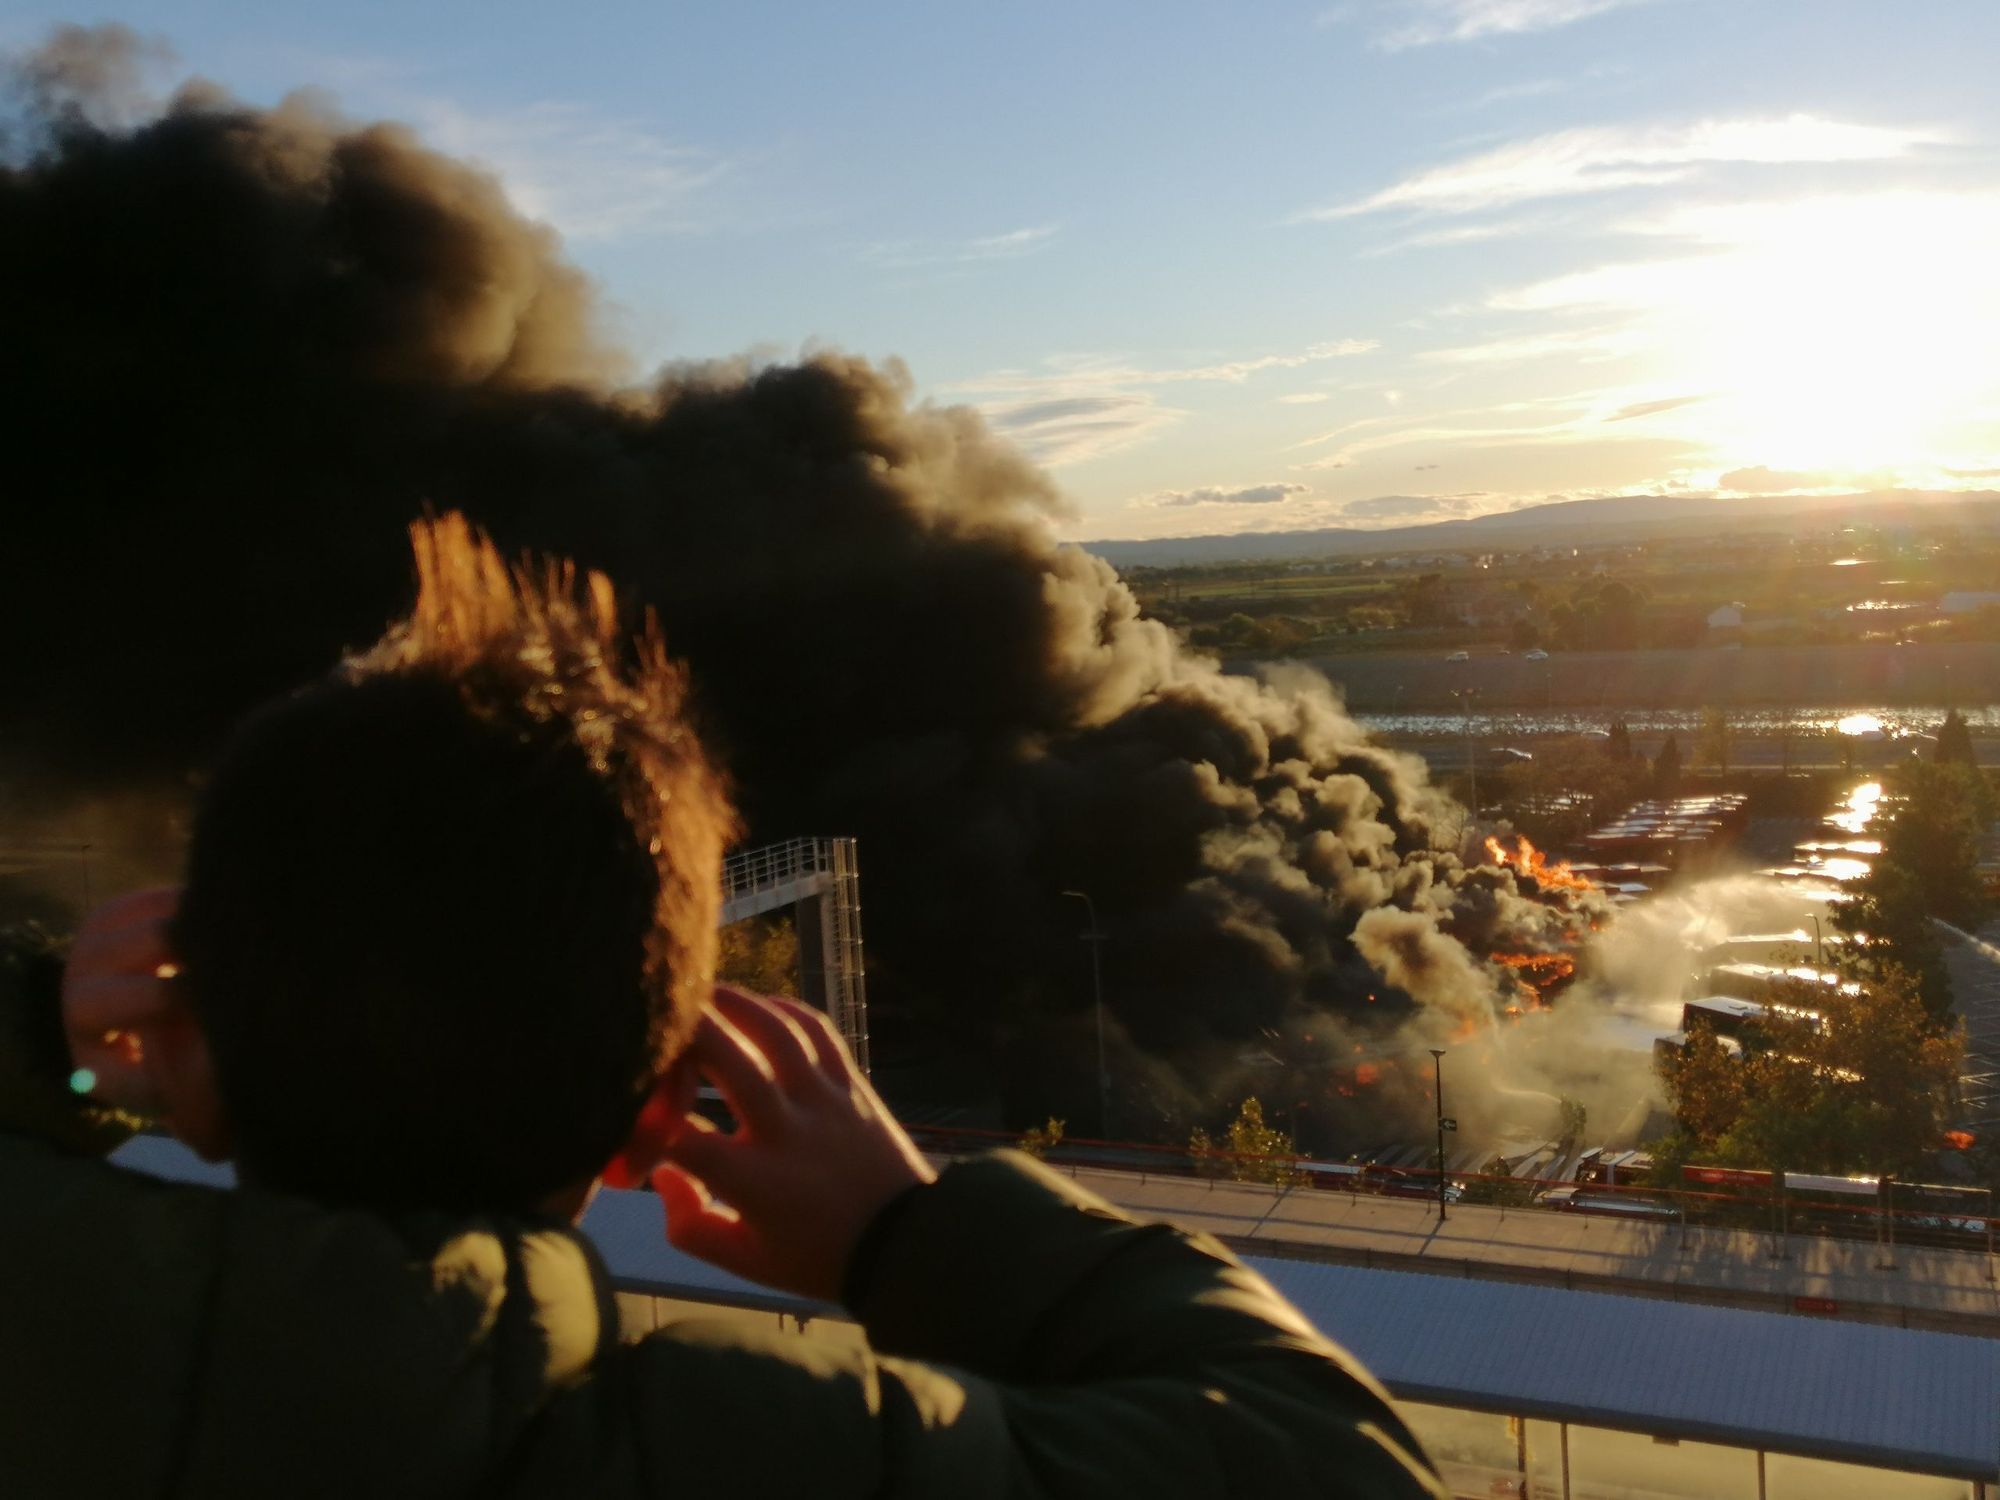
(1095, 937)
(1465, 697)
(1819, 943)
(1437, 1088)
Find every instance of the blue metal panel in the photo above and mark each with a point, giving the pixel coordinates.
(1897, 1397)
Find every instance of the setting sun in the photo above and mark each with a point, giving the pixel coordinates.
(1843, 337)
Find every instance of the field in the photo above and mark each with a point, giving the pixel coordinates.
(1830, 587)
(1856, 675)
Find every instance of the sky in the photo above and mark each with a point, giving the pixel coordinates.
(1259, 266)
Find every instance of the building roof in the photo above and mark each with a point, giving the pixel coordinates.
(1894, 1397)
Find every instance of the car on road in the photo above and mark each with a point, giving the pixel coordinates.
(1538, 654)
(1459, 656)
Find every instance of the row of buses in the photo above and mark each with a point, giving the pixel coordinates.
(1617, 1184)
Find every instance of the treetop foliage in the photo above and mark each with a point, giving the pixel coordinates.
(1831, 1080)
(1249, 1151)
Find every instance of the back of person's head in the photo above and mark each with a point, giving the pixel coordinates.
(450, 911)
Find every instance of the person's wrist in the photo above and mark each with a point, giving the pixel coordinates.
(866, 1252)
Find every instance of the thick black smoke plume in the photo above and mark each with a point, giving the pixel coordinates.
(246, 346)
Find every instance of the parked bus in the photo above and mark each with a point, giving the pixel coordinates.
(1610, 1205)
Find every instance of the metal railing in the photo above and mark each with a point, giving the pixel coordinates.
(775, 864)
(823, 876)
(1771, 1212)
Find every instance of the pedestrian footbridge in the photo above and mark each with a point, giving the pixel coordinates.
(820, 879)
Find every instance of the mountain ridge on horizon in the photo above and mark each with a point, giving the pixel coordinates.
(1607, 519)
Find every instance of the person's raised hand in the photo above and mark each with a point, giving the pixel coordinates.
(815, 1156)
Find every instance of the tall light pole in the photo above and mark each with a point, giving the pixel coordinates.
(1095, 937)
(1465, 697)
(1437, 1088)
(1819, 943)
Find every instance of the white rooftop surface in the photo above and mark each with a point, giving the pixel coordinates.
(1896, 1397)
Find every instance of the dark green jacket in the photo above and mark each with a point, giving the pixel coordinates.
(1026, 1339)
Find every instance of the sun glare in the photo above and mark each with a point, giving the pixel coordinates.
(1849, 335)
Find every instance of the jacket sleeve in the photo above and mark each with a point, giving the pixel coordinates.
(1026, 1339)
(163, 1339)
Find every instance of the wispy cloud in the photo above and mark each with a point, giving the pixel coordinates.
(1603, 158)
(1069, 429)
(1013, 244)
(1249, 494)
(1467, 234)
(1541, 422)
(1305, 398)
(1398, 25)
(1764, 480)
(1652, 408)
(1581, 345)
(1073, 371)
(1411, 507)
(1080, 406)
(1507, 93)
(1426, 23)
(593, 177)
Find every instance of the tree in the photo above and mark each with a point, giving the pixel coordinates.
(761, 954)
(1832, 1079)
(1935, 831)
(1618, 615)
(1954, 742)
(1928, 868)
(1887, 919)
(1250, 1150)
(1619, 746)
(1667, 768)
(1280, 635)
(1711, 747)
(1042, 1139)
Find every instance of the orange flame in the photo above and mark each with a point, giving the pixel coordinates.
(1959, 1140)
(1539, 969)
(1529, 860)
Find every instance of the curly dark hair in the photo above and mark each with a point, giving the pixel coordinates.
(451, 909)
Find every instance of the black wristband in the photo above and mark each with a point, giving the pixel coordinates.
(868, 1249)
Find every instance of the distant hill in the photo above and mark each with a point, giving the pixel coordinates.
(1618, 518)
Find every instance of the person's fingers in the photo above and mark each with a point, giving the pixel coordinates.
(781, 1039)
(698, 1225)
(740, 1070)
(631, 1162)
(705, 1151)
(828, 1044)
